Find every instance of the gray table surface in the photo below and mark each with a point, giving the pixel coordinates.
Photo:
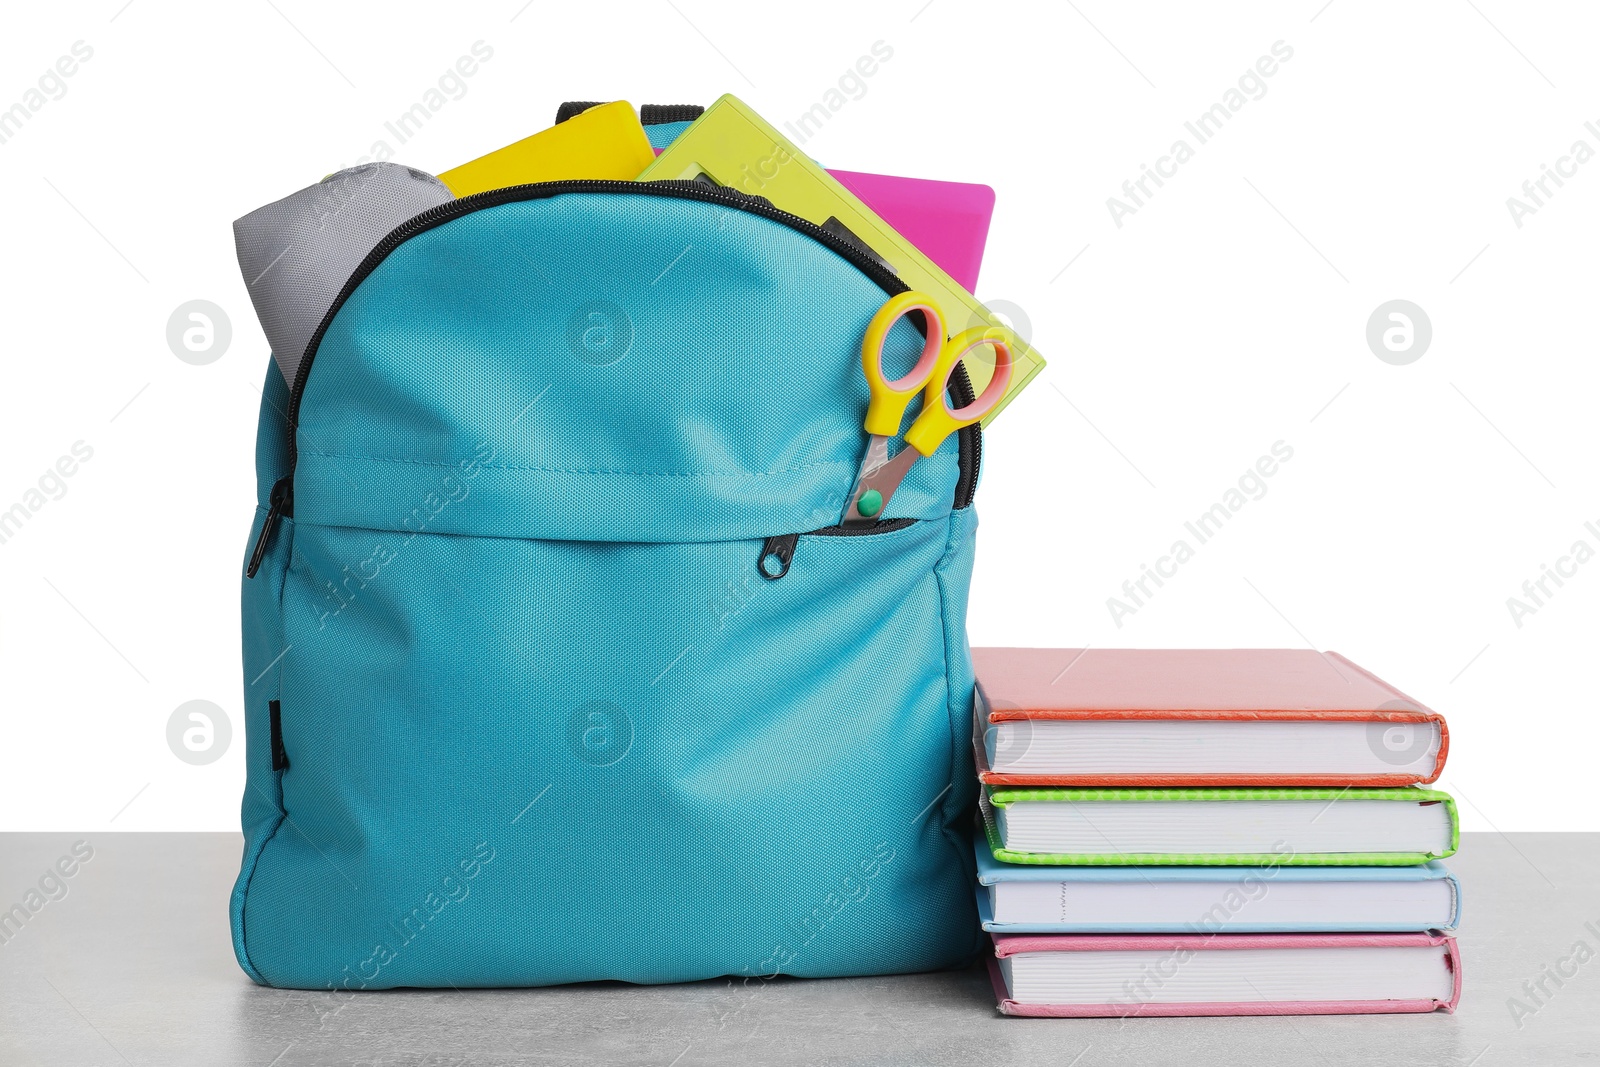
(133, 965)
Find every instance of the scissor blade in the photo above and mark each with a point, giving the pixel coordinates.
(876, 456)
(872, 460)
(885, 478)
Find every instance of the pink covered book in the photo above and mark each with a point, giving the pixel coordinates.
(1120, 975)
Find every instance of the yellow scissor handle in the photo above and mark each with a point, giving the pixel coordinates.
(889, 399)
(938, 420)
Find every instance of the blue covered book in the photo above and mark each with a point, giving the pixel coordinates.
(1271, 897)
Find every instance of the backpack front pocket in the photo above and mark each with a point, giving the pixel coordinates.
(713, 774)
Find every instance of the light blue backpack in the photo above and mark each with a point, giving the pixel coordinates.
(558, 664)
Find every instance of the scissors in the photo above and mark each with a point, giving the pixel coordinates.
(879, 475)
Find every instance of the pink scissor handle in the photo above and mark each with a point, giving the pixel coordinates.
(1001, 340)
(889, 399)
(938, 420)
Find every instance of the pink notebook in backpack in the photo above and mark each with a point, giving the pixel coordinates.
(947, 221)
(1121, 975)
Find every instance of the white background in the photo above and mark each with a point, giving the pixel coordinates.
(1228, 313)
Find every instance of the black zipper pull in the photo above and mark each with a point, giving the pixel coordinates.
(779, 548)
(277, 505)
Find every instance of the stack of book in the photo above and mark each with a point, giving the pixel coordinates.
(1211, 832)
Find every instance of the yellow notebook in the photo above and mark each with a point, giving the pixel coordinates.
(604, 142)
(731, 145)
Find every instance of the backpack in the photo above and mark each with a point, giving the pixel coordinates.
(558, 663)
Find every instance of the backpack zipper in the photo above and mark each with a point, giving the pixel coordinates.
(279, 504)
(970, 439)
(782, 546)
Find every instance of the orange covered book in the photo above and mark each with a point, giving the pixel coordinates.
(1174, 718)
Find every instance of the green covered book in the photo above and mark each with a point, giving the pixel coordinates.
(1220, 827)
